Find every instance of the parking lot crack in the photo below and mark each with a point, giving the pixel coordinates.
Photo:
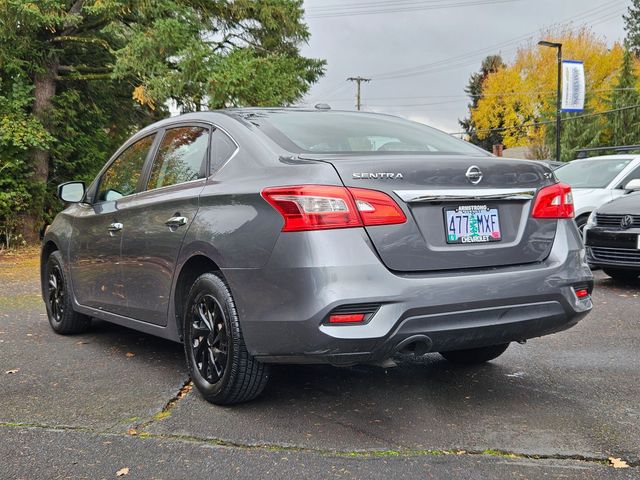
(165, 412)
(143, 436)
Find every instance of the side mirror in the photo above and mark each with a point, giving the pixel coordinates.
(71, 192)
(633, 185)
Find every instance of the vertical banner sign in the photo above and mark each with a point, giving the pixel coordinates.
(573, 86)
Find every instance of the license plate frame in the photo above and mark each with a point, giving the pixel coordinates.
(492, 232)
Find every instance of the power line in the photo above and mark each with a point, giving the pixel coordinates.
(392, 7)
(547, 122)
(601, 13)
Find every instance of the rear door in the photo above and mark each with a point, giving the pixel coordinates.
(156, 220)
(462, 212)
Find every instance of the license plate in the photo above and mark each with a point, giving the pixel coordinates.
(472, 224)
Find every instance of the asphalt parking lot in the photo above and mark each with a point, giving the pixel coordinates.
(92, 405)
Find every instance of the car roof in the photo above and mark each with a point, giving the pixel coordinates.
(607, 157)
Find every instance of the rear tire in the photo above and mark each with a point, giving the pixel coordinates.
(475, 356)
(219, 364)
(62, 318)
(622, 275)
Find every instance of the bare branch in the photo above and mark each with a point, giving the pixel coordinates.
(84, 69)
(80, 39)
(85, 77)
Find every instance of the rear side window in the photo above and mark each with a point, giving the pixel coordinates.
(180, 158)
(121, 178)
(222, 148)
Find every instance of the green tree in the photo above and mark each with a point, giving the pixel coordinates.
(490, 64)
(624, 126)
(92, 71)
(632, 27)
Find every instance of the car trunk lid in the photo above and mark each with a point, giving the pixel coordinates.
(481, 195)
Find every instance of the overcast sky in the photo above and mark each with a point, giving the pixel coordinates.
(419, 54)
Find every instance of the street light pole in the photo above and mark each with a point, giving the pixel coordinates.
(557, 46)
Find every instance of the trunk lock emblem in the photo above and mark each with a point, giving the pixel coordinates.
(626, 221)
(474, 175)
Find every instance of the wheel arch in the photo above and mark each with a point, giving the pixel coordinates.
(195, 266)
(48, 247)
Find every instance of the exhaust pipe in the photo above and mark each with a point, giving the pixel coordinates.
(415, 345)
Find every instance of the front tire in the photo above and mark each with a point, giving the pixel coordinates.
(622, 275)
(219, 364)
(62, 318)
(581, 222)
(475, 356)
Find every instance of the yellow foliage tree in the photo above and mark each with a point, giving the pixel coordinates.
(524, 92)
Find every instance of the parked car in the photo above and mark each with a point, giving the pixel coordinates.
(598, 180)
(552, 164)
(259, 236)
(612, 236)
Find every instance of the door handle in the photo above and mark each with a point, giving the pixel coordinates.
(175, 222)
(115, 227)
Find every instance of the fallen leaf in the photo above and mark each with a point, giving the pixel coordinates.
(132, 431)
(618, 463)
(130, 354)
(15, 370)
(122, 472)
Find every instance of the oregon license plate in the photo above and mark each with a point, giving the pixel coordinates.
(472, 224)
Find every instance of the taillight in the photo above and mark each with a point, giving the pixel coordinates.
(554, 201)
(377, 208)
(320, 207)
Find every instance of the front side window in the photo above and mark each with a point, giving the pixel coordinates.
(121, 178)
(635, 175)
(180, 158)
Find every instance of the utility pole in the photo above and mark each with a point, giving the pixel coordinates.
(358, 81)
(558, 47)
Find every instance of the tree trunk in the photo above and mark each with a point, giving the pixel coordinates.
(44, 91)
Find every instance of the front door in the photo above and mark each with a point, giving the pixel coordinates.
(95, 246)
(156, 221)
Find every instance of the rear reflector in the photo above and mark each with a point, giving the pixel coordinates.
(554, 201)
(346, 318)
(321, 207)
(582, 292)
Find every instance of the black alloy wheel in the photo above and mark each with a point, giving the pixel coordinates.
(59, 299)
(209, 339)
(56, 293)
(221, 368)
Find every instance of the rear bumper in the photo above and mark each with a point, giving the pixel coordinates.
(283, 307)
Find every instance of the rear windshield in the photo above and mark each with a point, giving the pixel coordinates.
(596, 173)
(350, 132)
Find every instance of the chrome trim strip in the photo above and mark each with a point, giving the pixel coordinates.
(465, 194)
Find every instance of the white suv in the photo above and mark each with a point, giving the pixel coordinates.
(598, 180)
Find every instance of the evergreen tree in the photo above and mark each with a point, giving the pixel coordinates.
(490, 64)
(632, 27)
(80, 75)
(624, 126)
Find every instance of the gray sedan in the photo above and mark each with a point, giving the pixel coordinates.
(260, 236)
